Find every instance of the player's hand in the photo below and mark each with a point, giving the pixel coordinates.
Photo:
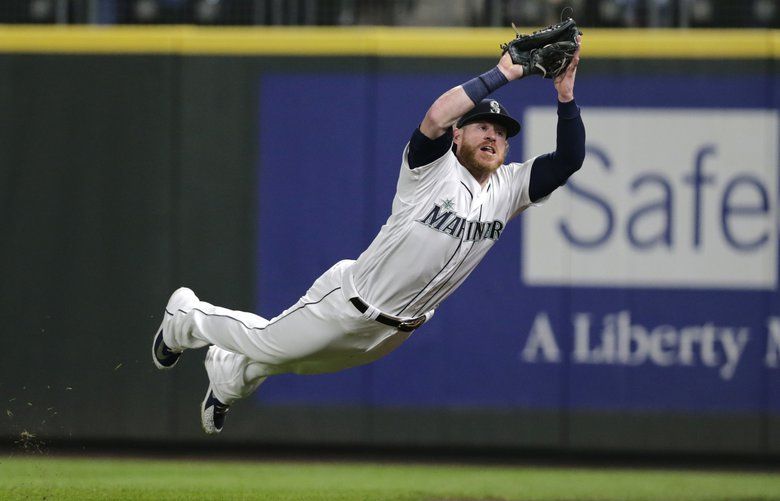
(510, 70)
(564, 84)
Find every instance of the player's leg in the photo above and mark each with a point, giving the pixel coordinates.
(231, 377)
(315, 325)
(181, 327)
(247, 349)
(276, 342)
(322, 332)
(312, 338)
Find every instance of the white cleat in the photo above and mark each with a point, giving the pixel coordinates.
(212, 413)
(164, 358)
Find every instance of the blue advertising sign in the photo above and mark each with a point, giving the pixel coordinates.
(648, 282)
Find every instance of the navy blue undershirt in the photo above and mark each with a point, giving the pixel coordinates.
(549, 171)
(423, 150)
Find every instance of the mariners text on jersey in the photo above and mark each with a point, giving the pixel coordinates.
(450, 223)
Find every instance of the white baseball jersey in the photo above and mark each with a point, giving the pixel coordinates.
(442, 225)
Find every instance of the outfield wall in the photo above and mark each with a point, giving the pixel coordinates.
(636, 311)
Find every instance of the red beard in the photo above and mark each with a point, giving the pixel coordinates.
(468, 156)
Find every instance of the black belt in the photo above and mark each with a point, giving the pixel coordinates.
(401, 325)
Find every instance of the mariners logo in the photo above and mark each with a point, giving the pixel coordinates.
(495, 107)
(442, 219)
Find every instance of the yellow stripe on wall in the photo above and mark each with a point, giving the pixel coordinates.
(376, 41)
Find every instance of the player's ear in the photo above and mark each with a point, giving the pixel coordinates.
(456, 135)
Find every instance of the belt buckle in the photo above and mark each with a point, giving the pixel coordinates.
(410, 325)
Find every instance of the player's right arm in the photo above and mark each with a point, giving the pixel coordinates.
(454, 103)
(434, 136)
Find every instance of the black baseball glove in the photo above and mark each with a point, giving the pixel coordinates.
(546, 52)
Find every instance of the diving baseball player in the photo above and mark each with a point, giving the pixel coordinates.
(454, 198)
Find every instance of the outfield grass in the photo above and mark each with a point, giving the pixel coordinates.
(42, 477)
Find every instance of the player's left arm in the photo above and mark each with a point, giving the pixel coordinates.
(551, 170)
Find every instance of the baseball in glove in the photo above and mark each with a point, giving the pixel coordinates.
(545, 52)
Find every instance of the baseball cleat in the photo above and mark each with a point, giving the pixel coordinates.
(212, 413)
(163, 356)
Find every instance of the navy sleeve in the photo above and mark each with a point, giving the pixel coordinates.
(551, 170)
(423, 150)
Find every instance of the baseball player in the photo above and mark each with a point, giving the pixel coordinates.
(454, 198)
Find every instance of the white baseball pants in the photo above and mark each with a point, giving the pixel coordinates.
(322, 332)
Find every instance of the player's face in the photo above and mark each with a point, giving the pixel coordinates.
(482, 146)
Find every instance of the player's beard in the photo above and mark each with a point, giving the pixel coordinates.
(468, 157)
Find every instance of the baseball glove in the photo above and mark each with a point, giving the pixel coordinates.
(545, 52)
